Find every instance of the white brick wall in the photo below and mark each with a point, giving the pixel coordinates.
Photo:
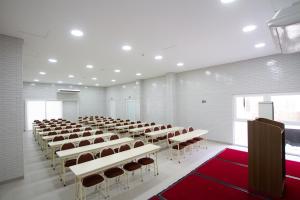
(11, 108)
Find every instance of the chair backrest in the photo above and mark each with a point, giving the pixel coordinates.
(58, 138)
(177, 133)
(88, 129)
(132, 122)
(124, 147)
(98, 132)
(163, 127)
(147, 130)
(67, 146)
(140, 125)
(85, 157)
(87, 133)
(184, 131)
(98, 140)
(169, 126)
(156, 129)
(76, 130)
(84, 143)
(125, 123)
(58, 128)
(72, 136)
(78, 126)
(152, 123)
(52, 125)
(127, 120)
(118, 124)
(146, 125)
(52, 133)
(106, 152)
(191, 129)
(138, 122)
(73, 123)
(114, 137)
(64, 131)
(138, 144)
(131, 127)
(68, 126)
(46, 129)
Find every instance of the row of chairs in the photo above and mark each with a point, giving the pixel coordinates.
(64, 129)
(74, 135)
(132, 127)
(60, 126)
(113, 173)
(70, 131)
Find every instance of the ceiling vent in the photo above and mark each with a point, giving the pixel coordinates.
(69, 91)
(285, 28)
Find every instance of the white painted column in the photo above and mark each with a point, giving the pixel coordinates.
(170, 98)
(139, 100)
(11, 108)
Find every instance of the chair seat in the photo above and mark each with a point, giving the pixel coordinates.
(116, 150)
(179, 146)
(197, 139)
(92, 180)
(145, 161)
(191, 141)
(113, 172)
(132, 166)
(184, 143)
(70, 163)
(153, 140)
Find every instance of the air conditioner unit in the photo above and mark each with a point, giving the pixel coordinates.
(285, 28)
(68, 91)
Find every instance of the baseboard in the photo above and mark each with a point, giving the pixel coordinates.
(11, 180)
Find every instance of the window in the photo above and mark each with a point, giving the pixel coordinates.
(286, 108)
(246, 108)
(42, 110)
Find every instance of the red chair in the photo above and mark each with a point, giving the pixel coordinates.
(145, 160)
(76, 130)
(98, 140)
(68, 163)
(153, 140)
(169, 126)
(88, 129)
(84, 143)
(58, 138)
(52, 133)
(98, 132)
(72, 136)
(152, 124)
(87, 133)
(64, 131)
(156, 129)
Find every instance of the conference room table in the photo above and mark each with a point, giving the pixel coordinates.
(56, 145)
(163, 132)
(92, 148)
(142, 129)
(114, 160)
(124, 127)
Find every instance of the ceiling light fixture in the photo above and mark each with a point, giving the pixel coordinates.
(97, 84)
(126, 48)
(117, 70)
(113, 80)
(249, 28)
(36, 80)
(138, 74)
(60, 82)
(52, 60)
(94, 78)
(227, 1)
(89, 66)
(180, 64)
(42, 73)
(260, 45)
(76, 33)
(79, 83)
(158, 57)
(71, 76)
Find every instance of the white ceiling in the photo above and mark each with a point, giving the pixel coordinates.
(199, 33)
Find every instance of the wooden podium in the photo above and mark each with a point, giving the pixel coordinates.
(266, 157)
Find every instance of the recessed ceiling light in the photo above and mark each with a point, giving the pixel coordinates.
(207, 72)
(89, 66)
(126, 48)
(249, 28)
(52, 60)
(36, 80)
(117, 70)
(60, 82)
(124, 86)
(158, 57)
(79, 83)
(113, 80)
(227, 1)
(259, 45)
(77, 33)
(71, 76)
(138, 74)
(94, 78)
(42, 73)
(97, 84)
(271, 62)
(32, 84)
(180, 64)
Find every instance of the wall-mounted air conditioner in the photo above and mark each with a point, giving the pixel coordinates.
(285, 28)
(69, 91)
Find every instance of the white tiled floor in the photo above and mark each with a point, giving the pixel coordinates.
(41, 182)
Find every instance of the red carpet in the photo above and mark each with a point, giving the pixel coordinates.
(225, 171)
(292, 167)
(219, 179)
(196, 187)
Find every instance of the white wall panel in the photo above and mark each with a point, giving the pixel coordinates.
(11, 108)
(91, 100)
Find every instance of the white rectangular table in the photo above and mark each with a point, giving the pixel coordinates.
(141, 129)
(73, 153)
(155, 134)
(188, 136)
(102, 164)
